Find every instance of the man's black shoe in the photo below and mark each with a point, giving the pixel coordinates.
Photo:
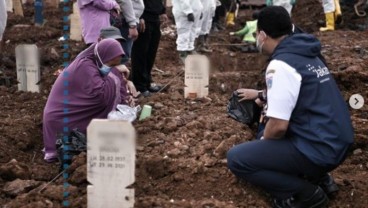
(155, 88)
(328, 185)
(283, 203)
(146, 93)
(318, 200)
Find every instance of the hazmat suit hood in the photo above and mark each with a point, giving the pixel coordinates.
(300, 44)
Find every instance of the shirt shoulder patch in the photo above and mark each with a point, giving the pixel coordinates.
(269, 78)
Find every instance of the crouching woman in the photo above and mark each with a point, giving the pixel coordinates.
(88, 88)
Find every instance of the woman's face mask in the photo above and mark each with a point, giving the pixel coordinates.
(260, 44)
(104, 69)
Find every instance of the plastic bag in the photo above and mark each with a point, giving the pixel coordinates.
(124, 112)
(246, 112)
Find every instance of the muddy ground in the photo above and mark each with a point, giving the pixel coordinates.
(194, 135)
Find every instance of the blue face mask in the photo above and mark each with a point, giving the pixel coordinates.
(104, 69)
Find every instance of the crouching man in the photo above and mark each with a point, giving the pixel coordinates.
(309, 130)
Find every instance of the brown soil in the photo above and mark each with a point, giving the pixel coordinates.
(181, 148)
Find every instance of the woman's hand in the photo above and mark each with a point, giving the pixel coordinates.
(124, 70)
(247, 94)
(132, 90)
(131, 101)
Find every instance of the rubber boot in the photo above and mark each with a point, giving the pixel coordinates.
(206, 47)
(230, 19)
(183, 55)
(200, 43)
(330, 22)
(338, 14)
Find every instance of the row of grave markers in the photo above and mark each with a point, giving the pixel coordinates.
(28, 72)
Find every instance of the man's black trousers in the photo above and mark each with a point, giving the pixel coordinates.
(144, 54)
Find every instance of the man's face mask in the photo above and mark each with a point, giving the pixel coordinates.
(104, 69)
(260, 44)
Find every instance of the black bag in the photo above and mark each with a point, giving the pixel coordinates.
(246, 112)
(75, 143)
(116, 19)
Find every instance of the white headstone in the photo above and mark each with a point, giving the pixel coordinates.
(111, 164)
(196, 76)
(9, 5)
(28, 68)
(75, 24)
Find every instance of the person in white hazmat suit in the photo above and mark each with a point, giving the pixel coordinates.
(287, 4)
(209, 8)
(332, 12)
(187, 13)
(3, 18)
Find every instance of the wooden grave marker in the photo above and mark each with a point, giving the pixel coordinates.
(196, 76)
(28, 67)
(18, 7)
(111, 149)
(75, 24)
(9, 5)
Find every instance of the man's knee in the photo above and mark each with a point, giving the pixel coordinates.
(238, 160)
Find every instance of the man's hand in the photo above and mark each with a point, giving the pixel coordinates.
(190, 17)
(142, 25)
(247, 94)
(133, 33)
(275, 128)
(232, 33)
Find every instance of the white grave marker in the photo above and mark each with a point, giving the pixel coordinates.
(9, 5)
(28, 67)
(196, 76)
(75, 24)
(111, 164)
(18, 7)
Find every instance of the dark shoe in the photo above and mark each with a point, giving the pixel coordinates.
(284, 203)
(155, 88)
(318, 200)
(146, 93)
(328, 185)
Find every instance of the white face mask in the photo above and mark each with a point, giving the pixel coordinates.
(258, 44)
(104, 69)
